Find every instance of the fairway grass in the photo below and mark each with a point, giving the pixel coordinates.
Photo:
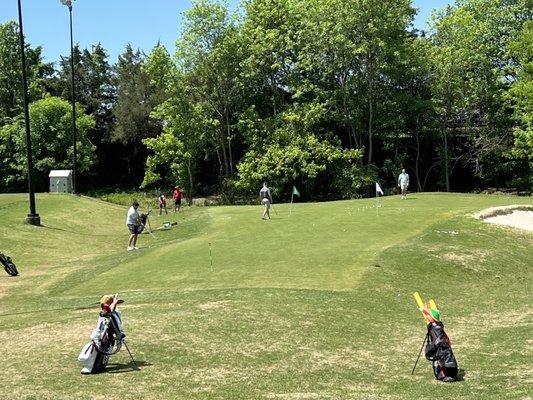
(316, 305)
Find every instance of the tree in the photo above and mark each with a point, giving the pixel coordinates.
(135, 103)
(95, 91)
(472, 70)
(521, 97)
(11, 96)
(208, 59)
(51, 129)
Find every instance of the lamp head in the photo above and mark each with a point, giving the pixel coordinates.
(67, 3)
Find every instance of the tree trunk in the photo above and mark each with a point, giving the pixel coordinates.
(417, 160)
(273, 87)
(189, 171)
(224, 153)
(220, 167)
(370, 108)
(345, 110)
(446, 159)
(229, 143)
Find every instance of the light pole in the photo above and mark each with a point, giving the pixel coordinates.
(32, 218)
(68, 3)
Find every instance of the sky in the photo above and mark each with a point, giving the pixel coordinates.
(115, 23)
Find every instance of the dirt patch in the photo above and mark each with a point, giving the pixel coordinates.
(294, 396)
(215, 305)
(472, 261)
(515, 216)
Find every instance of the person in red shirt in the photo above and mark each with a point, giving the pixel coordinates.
(177, 194)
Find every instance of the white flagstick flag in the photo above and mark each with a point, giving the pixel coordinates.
(378, 189)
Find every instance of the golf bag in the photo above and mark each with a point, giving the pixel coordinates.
(144, 220)
(106, 340)
(9, 266)
(439, 352)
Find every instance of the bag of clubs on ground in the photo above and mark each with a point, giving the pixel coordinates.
(106, 339)
(438, 347)
(9, 265)
(439, 352)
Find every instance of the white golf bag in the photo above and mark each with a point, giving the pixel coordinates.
(106, 340)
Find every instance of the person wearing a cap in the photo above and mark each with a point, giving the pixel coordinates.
(177, 194)
(133, 221)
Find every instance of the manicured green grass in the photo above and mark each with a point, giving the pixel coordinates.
(317, 305)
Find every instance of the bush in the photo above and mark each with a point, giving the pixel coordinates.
(125, 197)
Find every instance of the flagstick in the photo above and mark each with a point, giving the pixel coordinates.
(292, 197)
(210, 256)
(377, 203)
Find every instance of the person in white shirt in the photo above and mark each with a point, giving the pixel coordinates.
(403, 183)
(266, 199)
(133, 221)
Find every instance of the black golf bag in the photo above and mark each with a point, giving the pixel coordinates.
(439, 352)
(106, 340)
(9, 266)
(144, 220)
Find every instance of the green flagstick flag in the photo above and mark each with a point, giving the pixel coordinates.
(295, 191)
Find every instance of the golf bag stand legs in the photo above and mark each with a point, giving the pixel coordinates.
(419, 353)
(122, 339)
(129, 352)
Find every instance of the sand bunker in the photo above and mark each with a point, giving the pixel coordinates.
(516, 216)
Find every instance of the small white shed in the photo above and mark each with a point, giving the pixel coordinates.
(60, 181)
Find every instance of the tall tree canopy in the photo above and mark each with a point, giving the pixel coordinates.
(327, 95)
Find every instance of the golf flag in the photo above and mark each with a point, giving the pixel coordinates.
(378, 189)
(295, 191)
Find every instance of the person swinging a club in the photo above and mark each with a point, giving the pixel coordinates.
(266, 200)
(133, 221)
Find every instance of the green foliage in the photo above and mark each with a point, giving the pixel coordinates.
(11, 96)
(472, 68)
(133, 108)
(161, 70)
(521, 96)
(302, 160)
(322, 77)
(51, 134)
(146, 200)
(166, 150)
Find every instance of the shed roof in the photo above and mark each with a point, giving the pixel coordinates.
(60, 173)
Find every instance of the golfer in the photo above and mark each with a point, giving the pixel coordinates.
(133, 221)
(177, 194)
(162, 203)
(403, 183)
(266, 199)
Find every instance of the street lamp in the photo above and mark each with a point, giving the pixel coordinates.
(68, 3)
(32, 218)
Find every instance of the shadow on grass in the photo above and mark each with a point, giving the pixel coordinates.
(119, 368)
(460, 375)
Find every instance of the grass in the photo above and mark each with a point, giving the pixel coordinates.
(317, 305)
